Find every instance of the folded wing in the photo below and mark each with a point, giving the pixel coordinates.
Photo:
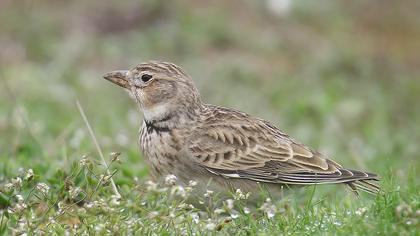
(242, 147)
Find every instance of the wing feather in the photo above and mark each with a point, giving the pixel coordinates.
(239, 146)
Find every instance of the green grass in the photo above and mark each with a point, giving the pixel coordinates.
(81, 200)
(332, 75)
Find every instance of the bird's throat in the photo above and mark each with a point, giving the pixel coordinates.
(156, 112)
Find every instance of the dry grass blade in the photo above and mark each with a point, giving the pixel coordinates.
(98, 148)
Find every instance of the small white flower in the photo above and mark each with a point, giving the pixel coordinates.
(114, 156)
(61, 205)
(195, 217)
(269, 209)
(19, 207)
(192, 183)
(17, 182)
(219, 211)
(74, 192)
(247, 210)
(29, 174)
(240, 195)
(170, 180)
(115, 200)
(105, 178)
(151, 186)
(22, 225)
(84, 161)
(361, 211)
(19, 198)
(208, 193)
(183, 206)
(43, 188)
(210, 226)
(52, 220)
(8, 187)
(39, 232)
(234, 214)
(89, 205)
(271, 212)
(188, 189)
(230, 203)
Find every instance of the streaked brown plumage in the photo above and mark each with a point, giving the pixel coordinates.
(192, 140)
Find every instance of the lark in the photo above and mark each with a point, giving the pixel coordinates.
(183, 136)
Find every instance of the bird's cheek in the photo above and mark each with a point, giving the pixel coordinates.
(144, 98)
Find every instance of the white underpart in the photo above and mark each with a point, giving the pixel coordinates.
(155, 112)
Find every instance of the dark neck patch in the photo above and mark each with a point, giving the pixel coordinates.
(157, 125)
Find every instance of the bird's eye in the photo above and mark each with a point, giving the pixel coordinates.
(145, 77)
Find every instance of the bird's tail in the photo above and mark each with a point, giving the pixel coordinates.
(364, 182)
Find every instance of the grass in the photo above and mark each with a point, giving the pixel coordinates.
(82, 200)
(331, 75)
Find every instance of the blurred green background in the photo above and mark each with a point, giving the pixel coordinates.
(341, 76)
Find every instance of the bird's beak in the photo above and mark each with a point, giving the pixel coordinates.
(118, 77)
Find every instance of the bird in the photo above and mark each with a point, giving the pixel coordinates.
(227, 149)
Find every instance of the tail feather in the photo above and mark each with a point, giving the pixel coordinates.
(353, 188)
(366, 186)
(363, 183)
(356, 180)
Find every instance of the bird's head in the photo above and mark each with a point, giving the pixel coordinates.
(160, 89)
